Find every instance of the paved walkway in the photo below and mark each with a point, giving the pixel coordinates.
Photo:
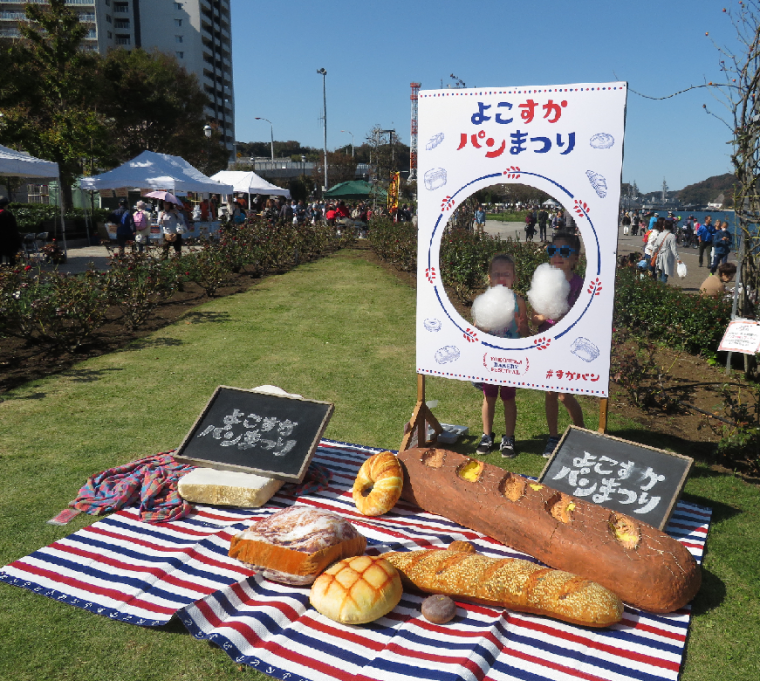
(79, 259)
(626, 244)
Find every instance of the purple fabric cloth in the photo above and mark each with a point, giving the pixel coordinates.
(151, 483)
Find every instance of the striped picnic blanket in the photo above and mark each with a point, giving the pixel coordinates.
(144, 574)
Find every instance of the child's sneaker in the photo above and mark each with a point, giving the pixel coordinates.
(551, 445)
(507, 447)
(486, 444)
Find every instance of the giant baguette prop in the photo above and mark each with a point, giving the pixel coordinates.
(641, 564)
(510, 583)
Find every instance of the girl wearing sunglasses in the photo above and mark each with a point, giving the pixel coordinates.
(563, 255)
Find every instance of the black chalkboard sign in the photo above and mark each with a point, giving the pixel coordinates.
(255, 432)
(639, 481)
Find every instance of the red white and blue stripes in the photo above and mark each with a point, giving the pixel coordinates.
(144, 574)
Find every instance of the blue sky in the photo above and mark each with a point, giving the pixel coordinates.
(372, 51)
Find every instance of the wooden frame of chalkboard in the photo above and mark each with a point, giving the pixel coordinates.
(256, 432)
(627, 464)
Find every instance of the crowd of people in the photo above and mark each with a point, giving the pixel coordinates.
(535, 217)
(308, 212)
(174, 220)
(662, 236)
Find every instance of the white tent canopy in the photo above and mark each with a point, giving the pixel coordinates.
(250, 183)
(156, 171)
(19, 164)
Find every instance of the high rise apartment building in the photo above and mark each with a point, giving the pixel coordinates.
(197, 32)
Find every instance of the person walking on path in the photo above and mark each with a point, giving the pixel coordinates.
(667, 256)
(635, 221)
(653, 240)
(722, 242)
(626, 222)
(10, 239)
(141, 218)
(705, 236)
(530, 224)
(480, 220)
(543, 218)
(172, 227)
(125, 225)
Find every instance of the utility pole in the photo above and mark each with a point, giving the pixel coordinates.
(323, 73)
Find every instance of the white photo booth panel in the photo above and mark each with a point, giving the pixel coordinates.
(566, 140)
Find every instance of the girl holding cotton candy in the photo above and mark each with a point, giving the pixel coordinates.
(501, 313)
(554, 290)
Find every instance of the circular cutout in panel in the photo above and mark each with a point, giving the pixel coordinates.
(539, 338)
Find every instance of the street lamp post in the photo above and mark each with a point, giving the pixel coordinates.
(207, 131)
(323, 73)
(352, 141)
(271, 134)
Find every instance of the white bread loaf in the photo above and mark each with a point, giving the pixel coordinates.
(227, 488)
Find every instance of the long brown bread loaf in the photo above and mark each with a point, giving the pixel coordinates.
(510, 583)
(644, 566)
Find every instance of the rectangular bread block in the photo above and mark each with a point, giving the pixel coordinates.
(227, 488)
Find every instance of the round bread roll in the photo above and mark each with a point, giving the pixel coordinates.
(357, 590)
(439, 609)
(378, 485)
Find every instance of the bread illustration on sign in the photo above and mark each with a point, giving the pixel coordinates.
(295, 544)
(645, 567)
(357, 590)
(508, 582)
(378, 484)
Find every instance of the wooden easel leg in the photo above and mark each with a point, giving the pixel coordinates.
(421, 418)
(603, 401)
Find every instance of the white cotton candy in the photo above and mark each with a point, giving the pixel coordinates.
(548, 292)
(495, 309)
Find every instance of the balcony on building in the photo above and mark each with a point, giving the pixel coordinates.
(13, 16)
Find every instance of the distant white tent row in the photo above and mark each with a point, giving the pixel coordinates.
(18, 164)
(156, 171)
(250, 183)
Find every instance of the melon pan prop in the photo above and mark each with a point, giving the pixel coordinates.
(645, 567)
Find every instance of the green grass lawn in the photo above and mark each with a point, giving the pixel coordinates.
(508, 217)
(340, 330)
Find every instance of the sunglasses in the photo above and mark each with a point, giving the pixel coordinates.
(564, 251)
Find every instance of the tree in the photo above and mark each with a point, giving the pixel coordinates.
(70, 106)
(341, 168)
(153, 103)
(48, 98)
(387, 152)
(738, 94)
